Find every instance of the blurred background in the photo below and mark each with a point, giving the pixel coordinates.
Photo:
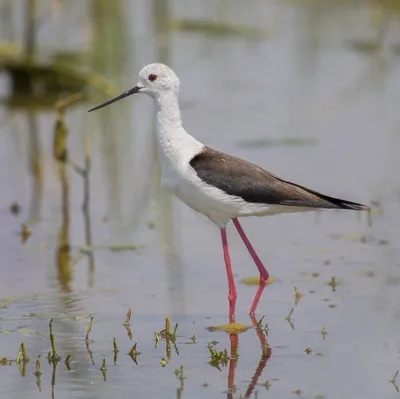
(307, 89)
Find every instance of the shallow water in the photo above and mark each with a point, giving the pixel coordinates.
(308, 103)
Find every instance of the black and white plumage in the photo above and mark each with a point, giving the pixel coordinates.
(220, 186)
(253, 184)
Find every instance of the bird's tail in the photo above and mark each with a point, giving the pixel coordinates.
(344, 204)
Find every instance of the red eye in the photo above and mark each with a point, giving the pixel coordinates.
(152, 77)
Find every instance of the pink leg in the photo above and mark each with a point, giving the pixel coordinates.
(231, 279)
(264, 275)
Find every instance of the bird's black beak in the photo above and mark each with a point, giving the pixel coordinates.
(136, 89)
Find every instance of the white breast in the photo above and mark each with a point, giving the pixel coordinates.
(212, 202)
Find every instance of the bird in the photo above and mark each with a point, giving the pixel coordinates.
(218, 185)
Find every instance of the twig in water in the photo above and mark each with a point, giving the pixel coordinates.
(288, 318)
(116, 350)
(394, 381)
(89, 328)
(67, 362)
(53, 357)
(38, 374)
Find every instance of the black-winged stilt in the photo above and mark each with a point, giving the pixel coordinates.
(220, 186)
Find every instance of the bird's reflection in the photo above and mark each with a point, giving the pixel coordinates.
(265, 356)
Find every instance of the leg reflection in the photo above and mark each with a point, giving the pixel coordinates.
(265, 356)
(232, 364)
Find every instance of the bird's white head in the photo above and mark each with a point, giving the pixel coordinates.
(154, 80)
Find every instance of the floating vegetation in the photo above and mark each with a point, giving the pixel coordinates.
(256, 280)
(333, 283)
(218, 358)
(308, 351)
(133, 353)
(323, 332)
(231, 328)
(163, 362)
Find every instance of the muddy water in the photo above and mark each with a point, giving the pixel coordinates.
(309, 103)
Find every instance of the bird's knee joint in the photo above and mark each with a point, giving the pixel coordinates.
(232, 297)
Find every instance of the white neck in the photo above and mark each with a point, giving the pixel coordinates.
(168, 112)
(175, 146)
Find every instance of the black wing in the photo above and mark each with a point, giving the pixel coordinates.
(254, 184)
